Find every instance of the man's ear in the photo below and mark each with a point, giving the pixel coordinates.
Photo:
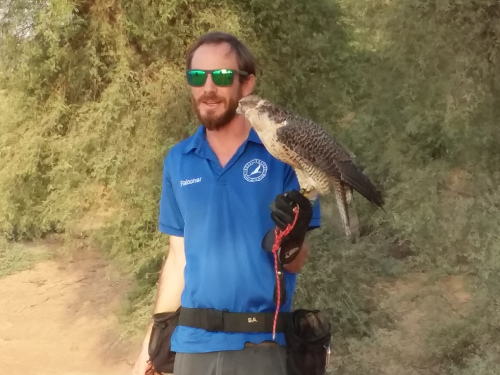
(248, 85)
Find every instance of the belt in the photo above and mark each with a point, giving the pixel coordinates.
(225, 321)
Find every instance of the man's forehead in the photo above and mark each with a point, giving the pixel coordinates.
(219, 55)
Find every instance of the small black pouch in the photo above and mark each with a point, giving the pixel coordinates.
(308, 338)
(160, 353)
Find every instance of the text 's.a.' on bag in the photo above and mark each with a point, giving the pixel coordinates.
(159, 350)
(308, 336)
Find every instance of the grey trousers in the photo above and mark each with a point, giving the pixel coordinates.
(252, 360)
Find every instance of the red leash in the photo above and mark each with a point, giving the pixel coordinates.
(278, 235)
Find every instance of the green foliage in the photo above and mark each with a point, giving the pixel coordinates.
(18, 258)
(92, 96)
(328, 282)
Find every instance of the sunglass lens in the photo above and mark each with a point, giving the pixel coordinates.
(196, 77)
(223, 77)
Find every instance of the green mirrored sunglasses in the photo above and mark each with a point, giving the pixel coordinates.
(221, 77)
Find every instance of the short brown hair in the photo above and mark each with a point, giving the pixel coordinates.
(245, 58)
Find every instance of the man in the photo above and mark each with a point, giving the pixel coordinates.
(217, 188)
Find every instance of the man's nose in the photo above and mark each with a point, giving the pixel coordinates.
(209, 86)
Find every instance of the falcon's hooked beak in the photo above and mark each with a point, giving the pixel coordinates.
(239, 109)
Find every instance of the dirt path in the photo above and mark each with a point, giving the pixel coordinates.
(59, 318)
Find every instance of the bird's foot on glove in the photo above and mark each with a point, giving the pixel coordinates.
(311, 194)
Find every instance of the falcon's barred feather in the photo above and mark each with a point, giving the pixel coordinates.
(317, 159)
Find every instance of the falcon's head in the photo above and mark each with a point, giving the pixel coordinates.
(262, 114)
(249, 103)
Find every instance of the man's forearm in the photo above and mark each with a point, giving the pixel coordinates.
(171, 281)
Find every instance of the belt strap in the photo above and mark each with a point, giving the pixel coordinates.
(225, 321)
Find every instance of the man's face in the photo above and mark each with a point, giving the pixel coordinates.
(214, 105)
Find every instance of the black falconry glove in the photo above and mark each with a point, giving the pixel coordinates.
(282, 214)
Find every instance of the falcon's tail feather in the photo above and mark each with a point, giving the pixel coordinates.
(359, 182)
(343, 206)
(353, 215)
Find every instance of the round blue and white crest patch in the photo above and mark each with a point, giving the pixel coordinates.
(255, 170)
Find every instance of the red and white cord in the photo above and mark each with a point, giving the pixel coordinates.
(279, 234)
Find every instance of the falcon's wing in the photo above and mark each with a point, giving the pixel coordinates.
(311, 142)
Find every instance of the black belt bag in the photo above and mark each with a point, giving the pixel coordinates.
(160, 353)
(308, 337)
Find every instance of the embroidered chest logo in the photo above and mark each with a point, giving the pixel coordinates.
(255, 170)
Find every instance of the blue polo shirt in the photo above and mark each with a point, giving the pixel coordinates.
(223, 214)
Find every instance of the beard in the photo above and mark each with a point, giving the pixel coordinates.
(212, 121)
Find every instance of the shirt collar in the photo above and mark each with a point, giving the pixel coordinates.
(253, 137)
(196, 140)
(199, 137)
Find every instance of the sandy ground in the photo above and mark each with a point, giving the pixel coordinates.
(59, 318)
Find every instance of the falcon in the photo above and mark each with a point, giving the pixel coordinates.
(319, 161)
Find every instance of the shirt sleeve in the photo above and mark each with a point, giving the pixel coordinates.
(170, 216)
(291, 183)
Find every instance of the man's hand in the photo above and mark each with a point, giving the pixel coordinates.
(142, 366)
(282, 214)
